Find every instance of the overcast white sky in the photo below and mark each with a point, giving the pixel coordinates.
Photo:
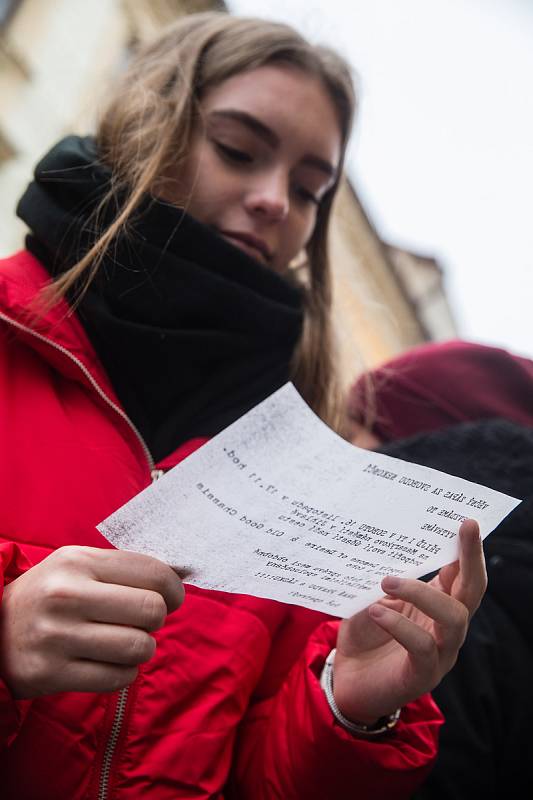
(443, 154)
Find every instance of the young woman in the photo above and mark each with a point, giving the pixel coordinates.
(131, 332)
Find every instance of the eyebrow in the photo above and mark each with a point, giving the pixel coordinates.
(271, 138)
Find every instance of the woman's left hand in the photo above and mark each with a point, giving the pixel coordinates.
(402, 646)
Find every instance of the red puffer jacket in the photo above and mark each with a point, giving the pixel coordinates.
(230, 705)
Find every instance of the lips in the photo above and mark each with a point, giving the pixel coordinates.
(250, 243)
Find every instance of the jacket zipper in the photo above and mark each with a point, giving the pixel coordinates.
(122, 700)
(120, 711)
(105, 772)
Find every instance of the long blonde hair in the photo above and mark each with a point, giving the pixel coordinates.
(147, 126)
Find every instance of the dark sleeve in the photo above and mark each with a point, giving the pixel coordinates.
(485, 748)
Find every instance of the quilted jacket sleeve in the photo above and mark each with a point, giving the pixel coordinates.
(12, 564)
(291, 747)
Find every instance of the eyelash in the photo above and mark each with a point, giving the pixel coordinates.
(231, 153)
(307, 196)
(242, 158)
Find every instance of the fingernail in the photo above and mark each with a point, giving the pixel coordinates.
(376, 611)
(390, 583)
(182, 572)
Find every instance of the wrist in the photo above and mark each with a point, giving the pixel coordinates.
(365, 729)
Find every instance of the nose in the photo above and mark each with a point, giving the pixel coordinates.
(268, 197)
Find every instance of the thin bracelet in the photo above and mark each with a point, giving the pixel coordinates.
(383, 725)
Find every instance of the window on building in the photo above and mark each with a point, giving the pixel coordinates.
(7, 9)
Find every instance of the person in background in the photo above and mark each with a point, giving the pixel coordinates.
(436, 385)
(467, 409)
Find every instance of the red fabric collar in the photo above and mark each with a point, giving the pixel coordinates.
(21, 278)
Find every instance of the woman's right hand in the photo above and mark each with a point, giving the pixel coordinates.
(81, 620)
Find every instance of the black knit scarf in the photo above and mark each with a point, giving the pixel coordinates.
(191, 330)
